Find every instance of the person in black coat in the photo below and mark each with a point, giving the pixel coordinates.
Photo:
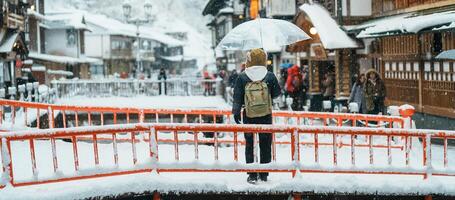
(162, 78)
(233, 78)
(255, 71)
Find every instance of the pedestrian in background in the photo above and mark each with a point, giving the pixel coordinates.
(162, 78)
(233, 78)
(375, 93)
(329, 86)
(294, 86)
(357, 93)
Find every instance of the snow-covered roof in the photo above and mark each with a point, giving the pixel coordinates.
(330, 33)
(177, 58)
(450, 26)
(60, 72)
(407, 23)
(65, 20)
(62, 59)
(173, 58)
(115, 27)
(38, 68)
(448, 55)
(35, 14)
(226, 10)
(7, 44)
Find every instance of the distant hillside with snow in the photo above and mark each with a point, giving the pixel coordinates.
(171, 16)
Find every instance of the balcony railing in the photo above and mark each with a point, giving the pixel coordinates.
(15, 21)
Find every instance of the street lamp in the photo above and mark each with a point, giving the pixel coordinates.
(148, 9)
(126, 10)
(149, 18)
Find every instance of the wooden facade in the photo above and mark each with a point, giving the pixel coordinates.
(408, 65)
(390, 7)
(413, 76)
(321, 61)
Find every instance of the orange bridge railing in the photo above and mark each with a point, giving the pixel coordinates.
(63, 161)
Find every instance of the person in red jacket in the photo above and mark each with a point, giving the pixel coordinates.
(294, 86)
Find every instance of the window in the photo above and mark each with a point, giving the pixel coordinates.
(437, 43)
(71, 38)
(116, 45)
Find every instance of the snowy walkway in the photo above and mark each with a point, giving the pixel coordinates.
(222, 182)
(215, 182)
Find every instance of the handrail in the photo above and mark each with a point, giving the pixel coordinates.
(211, 113)
(154, 159)
(130, 87)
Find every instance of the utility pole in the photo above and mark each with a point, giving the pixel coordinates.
(340, 12)
(339, 63)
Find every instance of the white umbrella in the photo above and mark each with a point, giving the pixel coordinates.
(262, 33)
(449, 54)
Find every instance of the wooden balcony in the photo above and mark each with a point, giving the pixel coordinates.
(15, 21)
(392, 7)
(121, 54)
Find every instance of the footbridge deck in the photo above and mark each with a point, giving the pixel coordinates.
(162, 151)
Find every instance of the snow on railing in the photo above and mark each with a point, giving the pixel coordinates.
(17, 113)
(31, 92)
(145, 153)
(133, 87)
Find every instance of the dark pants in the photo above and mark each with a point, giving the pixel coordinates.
(265, 144)
(165, 87)
(296, 101)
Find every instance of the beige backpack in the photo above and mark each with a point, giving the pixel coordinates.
(258, 102)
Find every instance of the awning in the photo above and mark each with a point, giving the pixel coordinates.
(447, 55)
(178, 58)
(60, 72)
(330, 33)
(7, 42)
(62, 59)
(407, 23)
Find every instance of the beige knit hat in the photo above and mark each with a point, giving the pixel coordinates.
(256, 57)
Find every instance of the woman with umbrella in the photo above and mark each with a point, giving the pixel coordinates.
(251, 36)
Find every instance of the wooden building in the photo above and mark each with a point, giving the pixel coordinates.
(330, 51)
(226, 16)
(402, 43)
(13, 49)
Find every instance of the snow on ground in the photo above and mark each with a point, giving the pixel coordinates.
(169, 102)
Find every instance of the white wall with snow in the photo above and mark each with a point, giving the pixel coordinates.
(56, 43)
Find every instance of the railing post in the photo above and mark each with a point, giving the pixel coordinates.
(12, 92)
(2, 93)
(6, 161)
(427, 156)
(21, 89)
(153, 142)
(29, 87)
(295, 151)
(35, 88)
(141, 116)
(407, 111)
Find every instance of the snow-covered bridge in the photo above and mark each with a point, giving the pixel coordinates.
(171, 150)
